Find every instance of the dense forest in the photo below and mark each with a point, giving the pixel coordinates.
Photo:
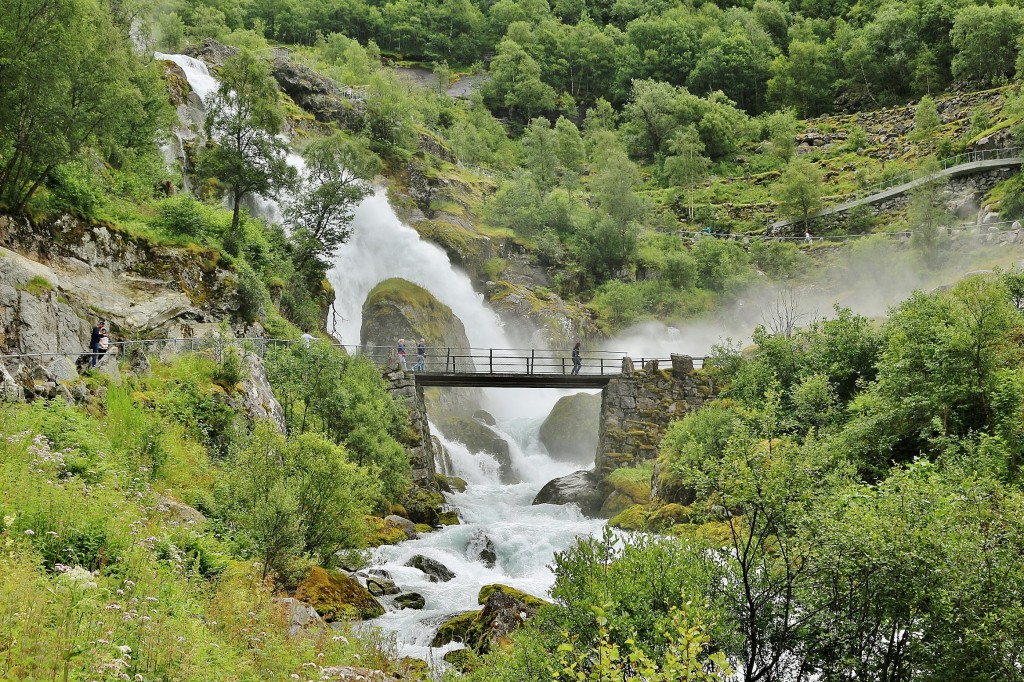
(848, 507)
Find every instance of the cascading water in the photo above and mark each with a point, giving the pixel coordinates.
(525, 537)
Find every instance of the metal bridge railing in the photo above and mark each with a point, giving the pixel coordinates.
(437, 359)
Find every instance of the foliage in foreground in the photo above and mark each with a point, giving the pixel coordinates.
(851, 508)
(103, 576)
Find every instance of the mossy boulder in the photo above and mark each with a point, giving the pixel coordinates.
(382, 532)
(398, 309)
(634, 517)
(450, 484)
(632, 482)
(459, 628)
(481, 630)
(448, 518)
(570, 431)
(460, 659)
(423, 505)
(668, 515)
(479, 438)
(487, 590)
(335, 596)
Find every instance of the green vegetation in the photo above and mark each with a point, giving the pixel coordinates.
(92, 501)
(848, 507)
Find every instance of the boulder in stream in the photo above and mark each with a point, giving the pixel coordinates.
(479, 438)
(410, 600)
(482, 548)
(579, 488)
(480, 630)
(437, 571)
(569, 433)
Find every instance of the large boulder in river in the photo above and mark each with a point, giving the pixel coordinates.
(503, 613)
(337, 597)
(580, 488)
(398, 309)
(570, 431)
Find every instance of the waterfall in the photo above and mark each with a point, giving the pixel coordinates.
(524, 536)
(382, 246)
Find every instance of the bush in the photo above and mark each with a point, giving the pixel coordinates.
(74, 187)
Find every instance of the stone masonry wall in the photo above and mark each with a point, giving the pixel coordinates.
(638, 406)
(419, 443)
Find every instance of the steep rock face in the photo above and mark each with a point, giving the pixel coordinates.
(570, 431)
(59, 275)
(554, 322)
(419, 443)
(319, 95)
(255, 397)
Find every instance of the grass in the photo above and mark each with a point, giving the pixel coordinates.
(37, 285)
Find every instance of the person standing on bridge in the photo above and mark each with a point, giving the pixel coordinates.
(577, 361)
(421, 356)
(401, 354)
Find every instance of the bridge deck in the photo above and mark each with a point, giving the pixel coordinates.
(512, 380)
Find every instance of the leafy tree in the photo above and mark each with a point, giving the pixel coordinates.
(649, 117)
(516, 84)
(243, 121)
(571, 151)
(926, 120)
(540, 149)
(799, 191)
(802, 79)
(687, 164)
(69, 82)
(927, 210)
(985, 38)
(335, 179)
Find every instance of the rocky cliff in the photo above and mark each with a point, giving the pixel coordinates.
(59, 275)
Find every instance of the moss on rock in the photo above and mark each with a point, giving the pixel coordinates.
(383, 533)
(632, 518)
(487, 590)
(336, 596)
(633, 482)
(460, 628)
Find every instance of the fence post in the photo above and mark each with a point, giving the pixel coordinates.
(602, 366)
(563, 365)
(533, 361)
(490, 359)
(447, 361)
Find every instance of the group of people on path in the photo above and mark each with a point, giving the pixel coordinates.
(421, 355)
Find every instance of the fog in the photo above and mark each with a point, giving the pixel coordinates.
(868, 276)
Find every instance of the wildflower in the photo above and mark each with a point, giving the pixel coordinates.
(9, 521)
(51, 533)
(124, 649)
(30, 532)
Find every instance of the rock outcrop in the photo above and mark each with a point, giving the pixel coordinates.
(570, 431)
(302, 618)
(481, 548)
(254, 395)
(580, 488)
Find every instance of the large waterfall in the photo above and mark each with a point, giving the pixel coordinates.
(525, 537)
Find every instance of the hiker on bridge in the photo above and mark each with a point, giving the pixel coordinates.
(401, 354)
(421, 356)
(577, 361)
